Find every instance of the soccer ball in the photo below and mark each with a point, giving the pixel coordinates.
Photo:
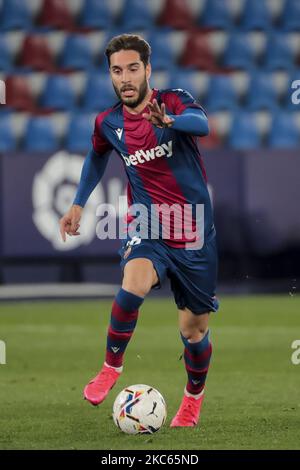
(139, 409)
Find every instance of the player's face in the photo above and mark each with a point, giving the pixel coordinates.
(130, 77)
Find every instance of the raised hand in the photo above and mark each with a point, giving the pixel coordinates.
(157, 115)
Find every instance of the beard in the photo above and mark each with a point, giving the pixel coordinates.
(132, 102)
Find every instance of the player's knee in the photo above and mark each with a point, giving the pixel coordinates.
(194, 333)
(136, 287)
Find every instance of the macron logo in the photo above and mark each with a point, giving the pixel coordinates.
(119, 133)
(142, 156)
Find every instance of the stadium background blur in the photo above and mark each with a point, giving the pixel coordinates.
(240, 59)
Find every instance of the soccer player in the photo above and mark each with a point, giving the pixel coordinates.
(154, 132)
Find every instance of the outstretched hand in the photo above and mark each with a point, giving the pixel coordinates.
(69, 223)
(157, 115)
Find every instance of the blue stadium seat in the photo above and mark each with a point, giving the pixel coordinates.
(40, 136)
(163, 54)
(58, 93)
(279, 52)
(101, 60)
(262, 93)
(291, 16)
(79, 133)
(5, 57)
(7, 138)
(15, 14)
(255, 15)
(216, 14)
(221, 94)
(76, 53)
(96, 14)
(284, 132)
(239, 53)
(244, 132)
(293, 89)
(185, 80)
(136, 15)
(99, 93)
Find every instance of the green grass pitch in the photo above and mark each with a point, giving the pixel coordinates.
(54, 348)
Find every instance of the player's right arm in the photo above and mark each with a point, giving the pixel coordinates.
(92, 172)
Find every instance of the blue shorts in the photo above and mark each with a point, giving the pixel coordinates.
(192, 273)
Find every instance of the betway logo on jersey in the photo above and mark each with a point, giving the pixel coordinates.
(142, 156)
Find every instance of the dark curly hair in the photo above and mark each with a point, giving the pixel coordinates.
(129, 42)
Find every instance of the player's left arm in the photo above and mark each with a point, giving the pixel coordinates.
(191, 118)
(192, 121)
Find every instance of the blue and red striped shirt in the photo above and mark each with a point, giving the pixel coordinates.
(163, 165)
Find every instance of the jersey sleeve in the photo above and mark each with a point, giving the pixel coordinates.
(178, 100)
(100, 143)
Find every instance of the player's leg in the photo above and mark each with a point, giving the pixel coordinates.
(193, 281)
(197, 348)
(139, 277)
(193, 327)
(197, 353)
